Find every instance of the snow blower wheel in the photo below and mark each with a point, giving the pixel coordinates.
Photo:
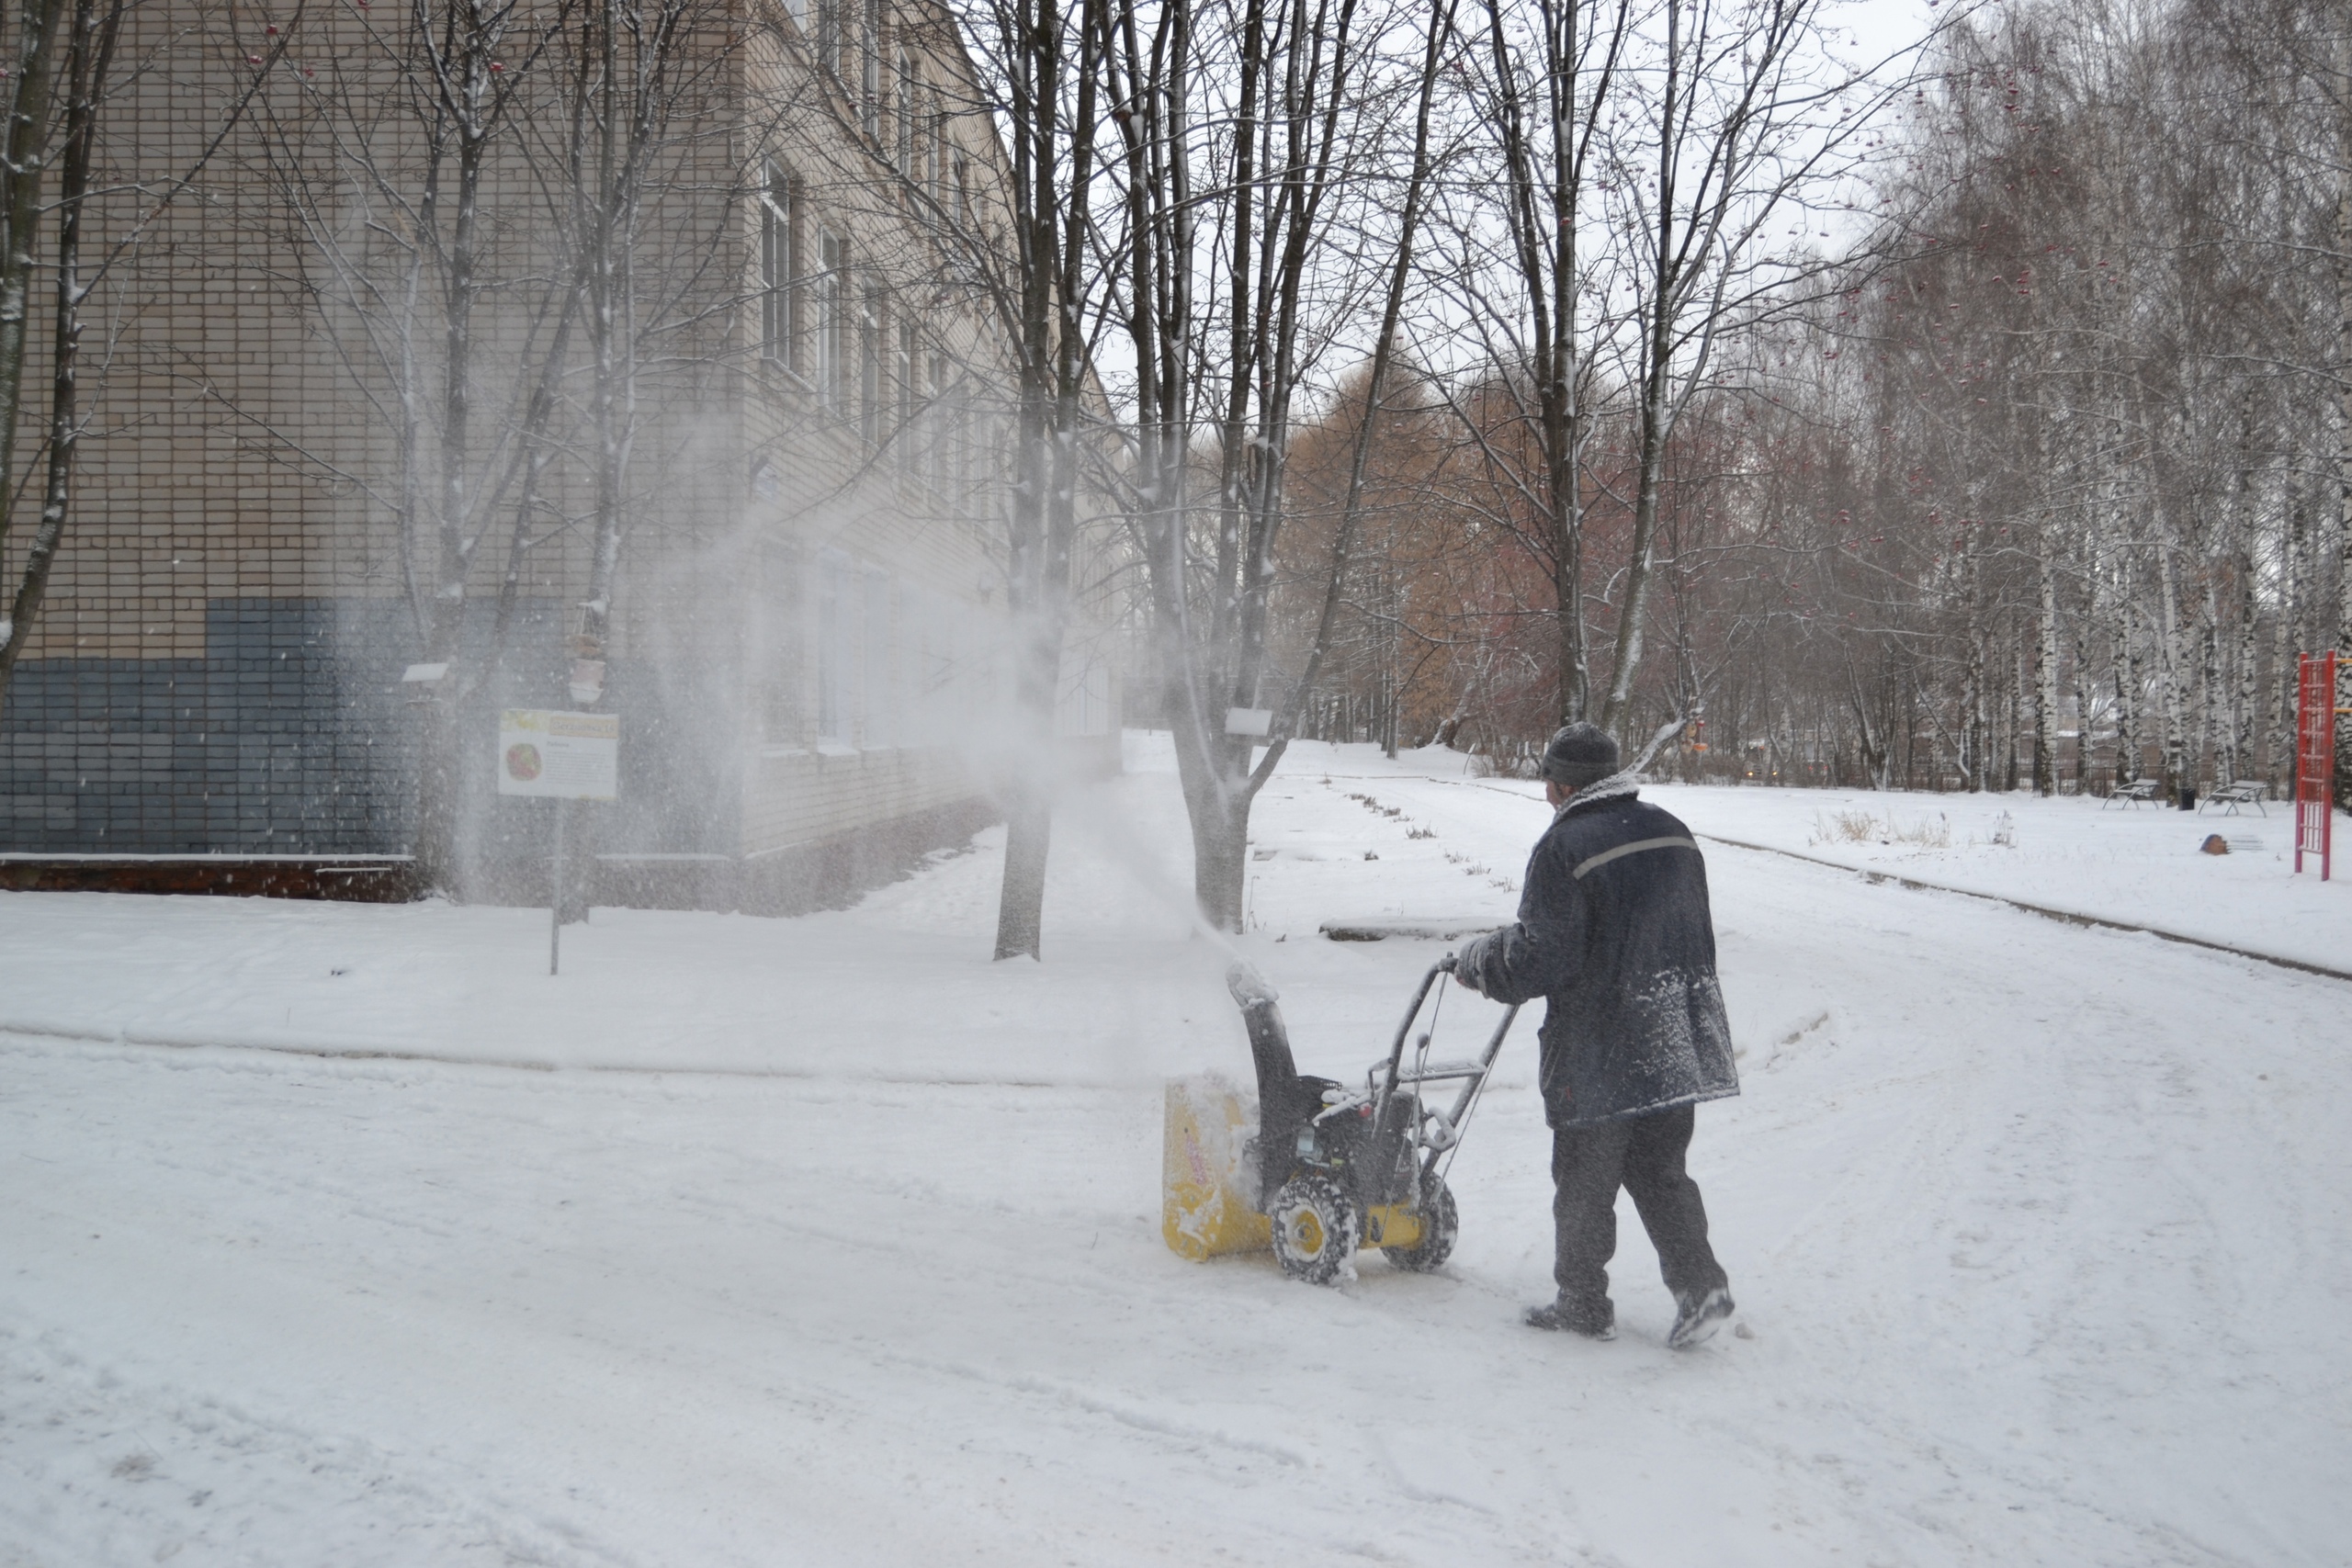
(1440, 1220)
(1317, 1229)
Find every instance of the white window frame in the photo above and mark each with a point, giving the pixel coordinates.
(880, 728)
(907, 151)
(833, 327)
(840, 641)
(908, 374)
(873, 315)
(869, 71)
(779, 268)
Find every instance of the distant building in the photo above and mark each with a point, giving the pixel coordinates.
(806, 628)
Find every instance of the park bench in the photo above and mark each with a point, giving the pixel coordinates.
(2231, 797)
(2139, 791)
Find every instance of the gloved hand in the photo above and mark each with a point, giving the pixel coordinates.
(1469, 961)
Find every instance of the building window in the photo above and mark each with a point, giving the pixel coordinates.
(906, 107)
(858, 698)
(829, 34)
(780, 627)
(832, 325)
(1085, 705)
(952, 479)
(935, 164)
(938, 641)
(984, 464)
(963, 193)
(836, 646)
(779, 270)
(869, 71)
(909, 375)
(881, 716)
(869, 364)
(934, 426)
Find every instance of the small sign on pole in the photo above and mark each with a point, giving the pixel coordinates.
(2315, 762)
(561, 757)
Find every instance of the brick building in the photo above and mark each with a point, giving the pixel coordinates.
(805, 634)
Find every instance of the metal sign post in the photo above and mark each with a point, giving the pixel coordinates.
(561, 757)
(2315, 760)
(555, 881)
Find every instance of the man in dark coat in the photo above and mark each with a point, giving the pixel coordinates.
(1613, 930)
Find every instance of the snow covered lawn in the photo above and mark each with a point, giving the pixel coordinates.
(2138, 864)
(340, 1234)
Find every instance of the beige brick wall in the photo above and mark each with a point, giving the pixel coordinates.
(246, 425)
(798, 798)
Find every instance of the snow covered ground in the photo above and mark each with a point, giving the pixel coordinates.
(343, 1234)
(2137, 865)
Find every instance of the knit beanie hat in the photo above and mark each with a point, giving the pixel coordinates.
(1579, 755)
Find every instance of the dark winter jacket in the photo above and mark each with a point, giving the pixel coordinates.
(1613, 928)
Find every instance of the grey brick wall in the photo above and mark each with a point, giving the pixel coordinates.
(288, 736)
(293, 735)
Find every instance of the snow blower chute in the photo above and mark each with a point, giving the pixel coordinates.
(1316, 1167)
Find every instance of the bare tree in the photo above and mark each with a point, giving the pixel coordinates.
(396, 154)
(1049, 59)
(62, 89)
(1550, 73)
(1740, 129)
(1231, 289)
(499, 218)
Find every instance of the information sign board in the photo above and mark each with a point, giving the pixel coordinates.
(557, 755)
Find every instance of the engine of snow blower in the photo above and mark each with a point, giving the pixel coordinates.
(1329, 1168)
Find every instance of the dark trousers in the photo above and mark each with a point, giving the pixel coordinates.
(1643, 1155)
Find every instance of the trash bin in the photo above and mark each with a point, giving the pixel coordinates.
(2189, 797)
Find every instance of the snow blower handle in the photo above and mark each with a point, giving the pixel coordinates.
(1384, 1086)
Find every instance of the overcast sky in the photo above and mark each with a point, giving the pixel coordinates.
(1875, 29)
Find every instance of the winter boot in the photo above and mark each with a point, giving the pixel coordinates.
(1593, 1324)
(1701, 1314)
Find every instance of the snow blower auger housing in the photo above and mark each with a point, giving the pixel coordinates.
(1330, 1168)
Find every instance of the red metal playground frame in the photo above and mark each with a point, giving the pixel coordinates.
(2315, 760)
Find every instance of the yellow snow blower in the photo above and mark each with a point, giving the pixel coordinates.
(1314, 1167)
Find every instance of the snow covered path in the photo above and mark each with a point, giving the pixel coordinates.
(2040, 1234)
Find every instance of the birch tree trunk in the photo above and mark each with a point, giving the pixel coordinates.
(2131, 677)
(1051, 118)
(466, 110)
(2246, 707)
(2171, 662)
(2045, 680)
(2286, 638)
(2212, 705)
